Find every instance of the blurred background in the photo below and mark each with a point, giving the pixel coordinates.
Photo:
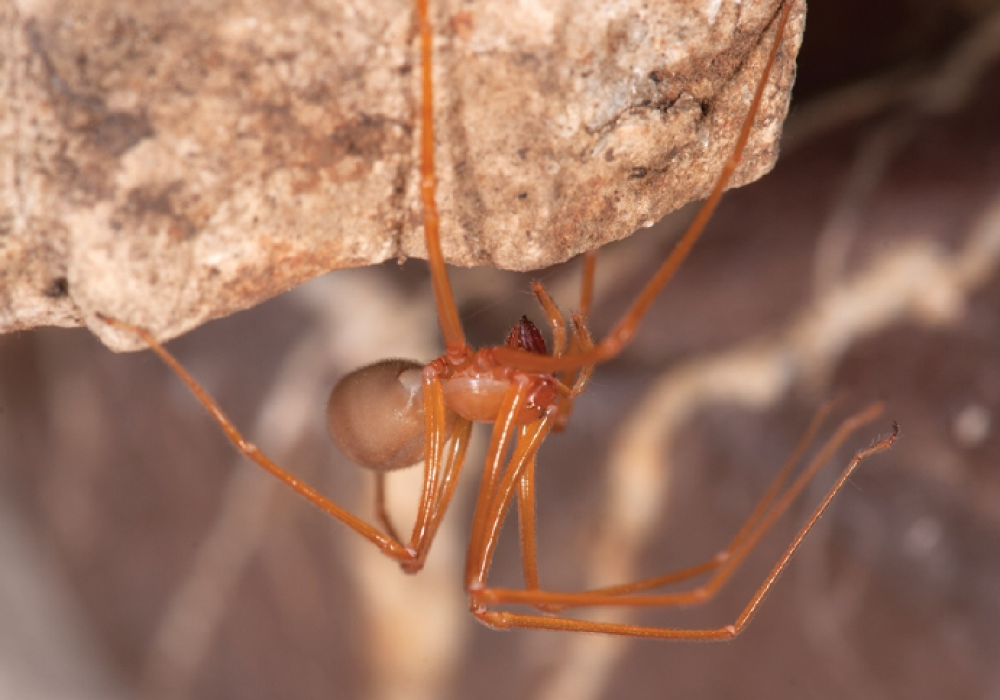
(140, 557)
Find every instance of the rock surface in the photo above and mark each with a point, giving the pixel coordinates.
(169, 165)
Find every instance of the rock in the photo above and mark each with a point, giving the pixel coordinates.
(167, 165)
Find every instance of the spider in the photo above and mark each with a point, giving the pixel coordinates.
(398, 413)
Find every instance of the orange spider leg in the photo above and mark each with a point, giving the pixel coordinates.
(527, 529)
(500, 441)
(506, 620)
(526, 523)
(492, 505)
(619, 336)
(389, 545)
(444, 458)
(729, 559)
(748, 526)
(451, 327)
(580, 341)
(434, 443)
(526, 487)
(455, 458)
(554, 316)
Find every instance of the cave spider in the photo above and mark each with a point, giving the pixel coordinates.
(397, 413)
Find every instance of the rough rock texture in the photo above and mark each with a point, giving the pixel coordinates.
(171, 164)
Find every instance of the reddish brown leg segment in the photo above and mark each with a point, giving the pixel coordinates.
(750, 526)
(492, 507)
(725, 562)
(483, 597)
(451, 327)
(442, 465)
(390, 546)
(526, 524)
